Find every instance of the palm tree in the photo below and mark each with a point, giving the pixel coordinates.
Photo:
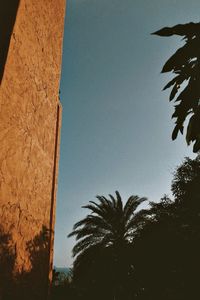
(185, 64)
(103, 238)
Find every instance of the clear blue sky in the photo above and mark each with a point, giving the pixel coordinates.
(116, 128)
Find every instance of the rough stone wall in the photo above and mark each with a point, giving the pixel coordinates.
(29, 131)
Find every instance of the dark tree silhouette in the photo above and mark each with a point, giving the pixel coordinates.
(32, 284)
(102, 266)
(186, 181)
(7, 263)
(38, 249)
(157, 259)
(62, 286)
(185, 64)
(167, 245)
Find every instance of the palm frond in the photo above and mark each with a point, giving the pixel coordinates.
(114, 203)
(87, 230)
(131, 205)
(85, 243)
(82, 222)
(98, 210)
(92, 220)
(119, 202)
(105, 204)
(137, 219)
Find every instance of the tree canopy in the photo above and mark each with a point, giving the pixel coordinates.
(151, 253)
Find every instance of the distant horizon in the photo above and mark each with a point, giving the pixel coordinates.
(63, 267)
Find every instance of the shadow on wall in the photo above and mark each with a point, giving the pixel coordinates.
(8, 12)
(25, 285)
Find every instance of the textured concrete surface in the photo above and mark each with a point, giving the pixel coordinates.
(29, 131)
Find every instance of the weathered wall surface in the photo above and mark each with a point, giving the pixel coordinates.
(29, 128)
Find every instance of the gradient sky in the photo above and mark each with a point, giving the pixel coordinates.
(116, 127)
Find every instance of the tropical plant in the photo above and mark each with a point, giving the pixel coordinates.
(102, 249)
(110, 224)
(185, 64)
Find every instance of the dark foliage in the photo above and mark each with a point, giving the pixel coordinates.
(62, 286)
(167, 251)
(185, 64)
(160, 259)
(7, 262)
(32, 284)
(102, 266)
(167, 246)
(38, 249)
(186, 181)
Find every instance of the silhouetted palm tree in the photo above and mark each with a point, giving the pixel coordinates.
(110, 224)
(185, 64)
(102, 247)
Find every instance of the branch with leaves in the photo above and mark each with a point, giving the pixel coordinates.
(185, 64)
